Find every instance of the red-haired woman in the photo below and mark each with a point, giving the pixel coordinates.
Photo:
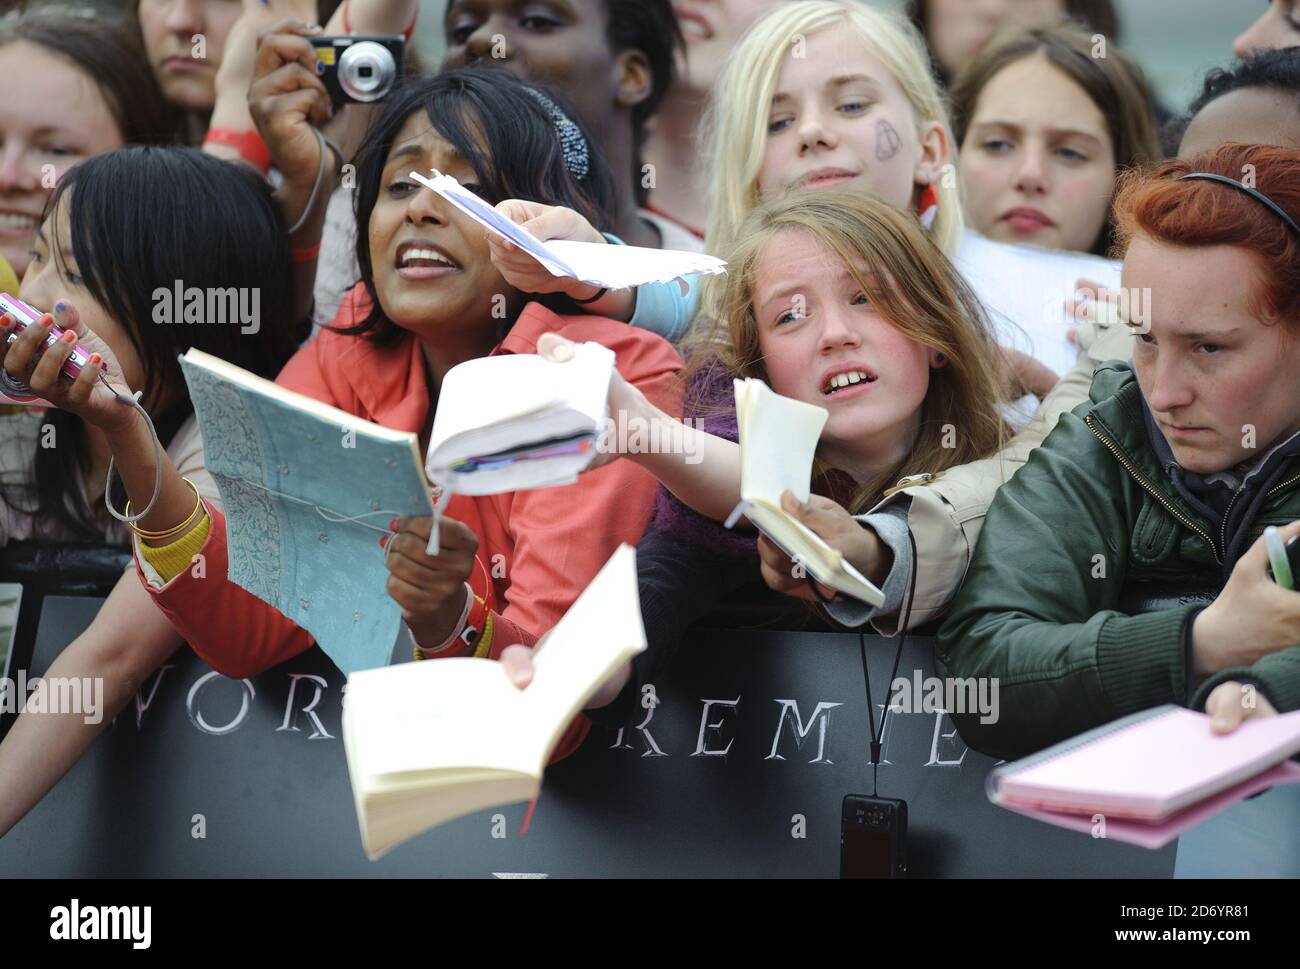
(1163, 484)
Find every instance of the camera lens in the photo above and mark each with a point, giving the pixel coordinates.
(367, 71)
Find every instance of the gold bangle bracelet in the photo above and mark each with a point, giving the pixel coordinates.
(176, 530)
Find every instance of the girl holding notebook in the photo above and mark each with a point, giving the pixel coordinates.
(510, 565)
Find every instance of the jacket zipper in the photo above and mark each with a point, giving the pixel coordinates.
(1223, 533)
(1223, 530)
(1289, 481)
(1164, 503)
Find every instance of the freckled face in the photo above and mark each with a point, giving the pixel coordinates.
(825, 343)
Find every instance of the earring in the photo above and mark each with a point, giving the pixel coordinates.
(927, 207)
(940, 359)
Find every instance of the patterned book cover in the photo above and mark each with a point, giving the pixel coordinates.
(308, 492)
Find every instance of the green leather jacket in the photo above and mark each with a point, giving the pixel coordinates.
(1091, 517)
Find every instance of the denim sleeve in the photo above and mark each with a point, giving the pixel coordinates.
(890, 524)
(664, 309)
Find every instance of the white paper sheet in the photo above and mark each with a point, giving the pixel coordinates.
(614, 267)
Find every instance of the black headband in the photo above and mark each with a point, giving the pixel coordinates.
(1257, 195)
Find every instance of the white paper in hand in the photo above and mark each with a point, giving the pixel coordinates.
(613, 267)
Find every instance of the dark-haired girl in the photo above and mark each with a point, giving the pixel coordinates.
(509, 565)
(118, 228)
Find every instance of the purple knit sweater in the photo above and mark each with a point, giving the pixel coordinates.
(710, 400)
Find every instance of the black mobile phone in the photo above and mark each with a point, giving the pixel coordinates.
(359, 69)
(873, 837)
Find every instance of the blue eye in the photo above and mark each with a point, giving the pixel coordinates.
(855, 107)
(779, 125)
(862, 299)
(1071, 154)
(789, 316)
(996, 146)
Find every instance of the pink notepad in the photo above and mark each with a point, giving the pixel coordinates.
(1159, 772)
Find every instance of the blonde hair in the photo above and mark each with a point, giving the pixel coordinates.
(736, 123)
(912, 285)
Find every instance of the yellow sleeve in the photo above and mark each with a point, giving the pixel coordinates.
(171, 560)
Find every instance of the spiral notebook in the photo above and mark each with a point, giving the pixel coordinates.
(1152, 775)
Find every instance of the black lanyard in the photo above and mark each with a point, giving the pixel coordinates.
(878, 735)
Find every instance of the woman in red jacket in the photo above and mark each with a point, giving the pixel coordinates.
(430, 297)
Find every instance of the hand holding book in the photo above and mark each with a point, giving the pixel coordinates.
(859, 545)
(1228, 707)
(429, 588)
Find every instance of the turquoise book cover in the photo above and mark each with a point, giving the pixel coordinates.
(308, 492)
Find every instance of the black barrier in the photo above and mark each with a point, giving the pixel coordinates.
(45, 569)
(738, 770)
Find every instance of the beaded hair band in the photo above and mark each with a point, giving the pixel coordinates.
(577, 157)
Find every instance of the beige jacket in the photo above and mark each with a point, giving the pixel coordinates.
(947, 511)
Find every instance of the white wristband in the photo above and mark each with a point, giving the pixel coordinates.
(455, 633)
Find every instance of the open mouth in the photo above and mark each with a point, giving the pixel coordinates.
(845, 380)
(414, 255)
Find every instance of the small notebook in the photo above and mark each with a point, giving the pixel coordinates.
(428, 742)
(1152, 775)
(308, 491)
(778, 441)
(516, 421)
(614, 267)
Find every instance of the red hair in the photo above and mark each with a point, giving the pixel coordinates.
(1205, 213)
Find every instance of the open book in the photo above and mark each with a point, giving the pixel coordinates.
(1151, 775)
(308, 490)
(614, 267)
(516, 421)
(428, 742)
(778, 440)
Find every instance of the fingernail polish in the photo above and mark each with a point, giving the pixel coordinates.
(68, 337)
(384, 540)
(96, 359)
(46, 320)
(60, 306)
(392, 525)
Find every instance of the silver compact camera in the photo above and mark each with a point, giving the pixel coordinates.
(359, 70)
